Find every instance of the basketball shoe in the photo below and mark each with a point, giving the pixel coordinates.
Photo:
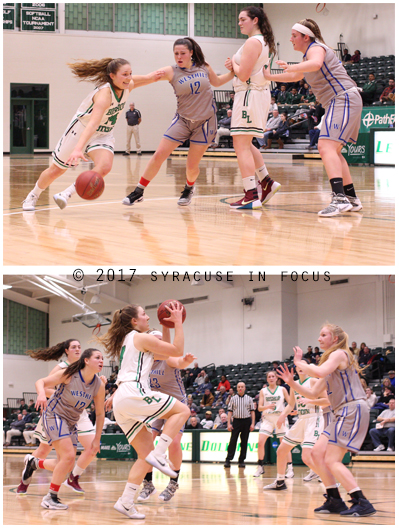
(73, 483)
(186, 196)
(30, 202)
(146, 491)
(339, 204)
(159, 461)
(259, 471)
(276, 485)
(22, 489)
(249, 201)
(268, 191)
(61, 199)
(53, 503)
(30, 466)
(355, 201)
(360, 507)
(130, 512)
(310, 475)
(331, 506)
(289, 473)
(169, 492)
(134, 197)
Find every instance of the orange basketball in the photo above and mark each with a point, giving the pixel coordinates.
(89, 185)
(163, 312)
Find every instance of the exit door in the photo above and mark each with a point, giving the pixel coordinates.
(21, 138)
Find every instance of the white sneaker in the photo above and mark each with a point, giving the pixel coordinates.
(339, 204)
(49, 503)
(259, 471)
(160, 462)
(30, 202)
(389, 449)
(379, 448)
(146, 491)
(130, 512)
(290, 473)
(356, 204)
(61, 199)
(310, 475)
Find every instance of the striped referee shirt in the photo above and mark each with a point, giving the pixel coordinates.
(241, 407)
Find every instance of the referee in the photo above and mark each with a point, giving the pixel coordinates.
(242, 409)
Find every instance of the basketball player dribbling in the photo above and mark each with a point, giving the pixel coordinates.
(195, 120)
(339, 96)
(338, 373)
(91, 128)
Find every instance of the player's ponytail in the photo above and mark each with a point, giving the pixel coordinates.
(342, 343)
(121, 325)
(198, 56)
(311, 24)
(97, 71)
(79, 365)
(51, 353)
(264, 25)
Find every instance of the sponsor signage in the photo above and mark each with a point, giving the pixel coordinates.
(38, 20)
(8, 16)
(213, 446)
(383, 150)
(115, 446)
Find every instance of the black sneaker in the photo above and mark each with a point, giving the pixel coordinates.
(331, 506)
(186, 196)
(241, 465)
(360, 507)
(126, 153)
(134, 197)
(227, 464)
(30, 467)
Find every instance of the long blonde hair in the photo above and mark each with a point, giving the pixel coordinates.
(342, 343)
(121, 325)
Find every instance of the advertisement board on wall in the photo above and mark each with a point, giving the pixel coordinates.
(213, 446)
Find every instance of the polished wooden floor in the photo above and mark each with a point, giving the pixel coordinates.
(208, 495)
(287, 231)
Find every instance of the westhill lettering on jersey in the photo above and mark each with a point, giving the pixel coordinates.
(81, 394)
(191, 77)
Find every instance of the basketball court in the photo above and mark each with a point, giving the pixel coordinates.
(286, 231)
(208, 495)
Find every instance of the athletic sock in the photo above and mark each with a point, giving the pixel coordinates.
(337, 186)
(39, 463)
(77, 471)
(260, 463)
(357, 494)
(350, 190)
(189, 184)
(333, 492)
(37, 190)
(129, 493)
(71, 190)
(163, 443)
(148, 476)
(249, 183)
(261, 173)
(54, 489)
(280, 478)
(176, 479)
(289, 466)
(143, 183)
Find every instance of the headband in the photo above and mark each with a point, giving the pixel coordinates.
(303, 29)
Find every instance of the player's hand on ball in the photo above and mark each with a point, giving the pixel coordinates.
(176, 312)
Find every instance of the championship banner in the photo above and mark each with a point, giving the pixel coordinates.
(42, 20)
(8, 16)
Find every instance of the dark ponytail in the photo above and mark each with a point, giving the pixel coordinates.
(198, 56)
(51, 353)
(121, 325)
(80, 364)
(264, 25)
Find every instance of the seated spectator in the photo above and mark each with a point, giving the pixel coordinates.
(309, 353)
(355, 57)
(317, 359)
(391, 375)
(223, 422)
(310, 98)
(363, 382)
(221, 398)
(385, 428)
(30, 440)
(191, 404)
(31, 406)
(314, 134)
(303, 88)
(272, 124)
(386, 383)
(200, 378)
(295, 97)
(17, 427)
(221, 113)
(92, 414)
(193, 423)
(231, 101)
(346, 56)
(186, 378)
(275, 365)
(218, 419)
(389, 91)
(284, 97)
(355, 349)
(193, 374)
(207, 399)
(369, 90)
(382, 402)
(224, 382)
(23, 405)
(200, 390)
(230, 396)
(213, 377)
(364, 356)
(371, 398)
(282, 131)
(207, 423)
(223, 129)
(273, 105)
(193, 413)
(315, 113)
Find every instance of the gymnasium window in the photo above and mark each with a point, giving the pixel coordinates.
(219, 20)
(23, 328)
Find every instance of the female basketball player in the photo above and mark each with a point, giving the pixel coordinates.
(86, 431)
(78, 385)
(91, 129)
(135, 404)
(338, 372)
(271, 403)
(251, 105)
(305, 431)
(195, 120)
(339, 96)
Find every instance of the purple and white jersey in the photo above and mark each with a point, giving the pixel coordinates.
(344, 387)
(167, 380)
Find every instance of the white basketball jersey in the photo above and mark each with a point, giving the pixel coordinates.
(275, 397)
(134, 365)
(306, 410)
(109, 119)
(256, 80)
